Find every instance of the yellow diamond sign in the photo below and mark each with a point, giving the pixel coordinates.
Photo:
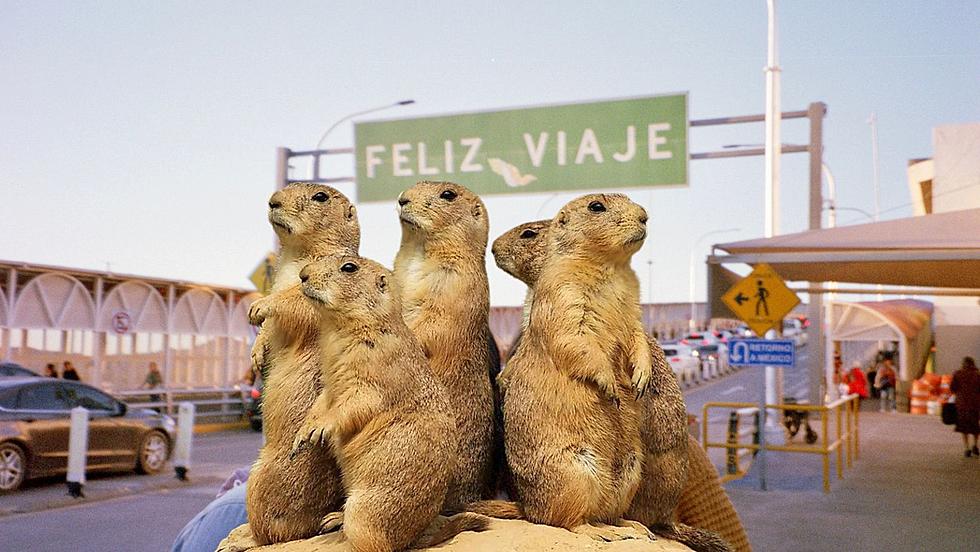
(761, 299)
(264, 273)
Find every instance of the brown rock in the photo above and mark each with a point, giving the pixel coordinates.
(506, 536)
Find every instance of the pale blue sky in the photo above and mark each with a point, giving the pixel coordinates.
(143, 133)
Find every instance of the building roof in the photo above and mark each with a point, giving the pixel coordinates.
(940, 250)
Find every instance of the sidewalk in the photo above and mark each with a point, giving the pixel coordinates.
(911, 489)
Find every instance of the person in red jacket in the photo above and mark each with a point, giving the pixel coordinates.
(857, 382)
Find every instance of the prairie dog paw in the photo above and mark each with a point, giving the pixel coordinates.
(258, 353)
(641, 379)
(260, 310)
(310, 434)
(331, 522)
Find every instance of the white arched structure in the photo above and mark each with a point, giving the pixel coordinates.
(905, 321)
(241, 335)
(199, 348)
(111, 326)
(142, 304)
(52, 321)
(132, 322)
(54, 300)
(200, 311)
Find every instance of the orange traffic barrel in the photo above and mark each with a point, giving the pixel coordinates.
(920, 397)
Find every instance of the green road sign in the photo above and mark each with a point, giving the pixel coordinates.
(607, 144)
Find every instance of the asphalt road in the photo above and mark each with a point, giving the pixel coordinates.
(122, 512)
(746, 385)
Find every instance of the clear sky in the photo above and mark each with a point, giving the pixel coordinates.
(143, 134)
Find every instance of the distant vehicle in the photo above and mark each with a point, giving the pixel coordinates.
(35, 419)
(252, 403)
(793, 328)
(9, 369)
(713, 358)
(695, 339)
(685, 366)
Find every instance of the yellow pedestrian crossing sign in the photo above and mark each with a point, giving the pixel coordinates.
(761, 299)
(264, 273)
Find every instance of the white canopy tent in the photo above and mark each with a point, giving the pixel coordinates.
(939, 253)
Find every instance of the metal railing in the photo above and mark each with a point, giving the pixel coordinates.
(209, 402)
(845, 412)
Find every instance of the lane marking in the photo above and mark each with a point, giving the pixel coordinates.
(731, 390)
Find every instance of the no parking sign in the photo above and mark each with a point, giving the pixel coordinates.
(121, 322)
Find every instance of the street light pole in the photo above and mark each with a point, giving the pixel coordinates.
(323, 137)
(773, 151)
(773, 120)
(691, 283)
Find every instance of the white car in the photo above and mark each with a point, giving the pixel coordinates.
(793, 328)
(713, 358)
(686, 367)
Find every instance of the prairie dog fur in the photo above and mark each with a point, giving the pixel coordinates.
(382, 411)
(571, 424)
(521, 252)
(440, 273)
(286, 500)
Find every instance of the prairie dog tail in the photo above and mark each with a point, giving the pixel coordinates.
(698, 540)
(443, 529)
(499, 509)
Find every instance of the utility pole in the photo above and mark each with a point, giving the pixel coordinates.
(773, 151)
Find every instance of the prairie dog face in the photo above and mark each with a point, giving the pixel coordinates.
(441, 208)
(609, 225)
(303, 211)
(521, 250)
(349, 286)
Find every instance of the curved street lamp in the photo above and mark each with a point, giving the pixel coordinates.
(326, 133)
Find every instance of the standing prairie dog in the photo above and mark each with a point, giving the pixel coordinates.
(287, 500)
(382, 411)
(521, 252)
(571, 421)
(440, 272)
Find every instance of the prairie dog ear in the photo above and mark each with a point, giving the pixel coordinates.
(382, 283)
(562, 218)
(477, 210)
(351, 211)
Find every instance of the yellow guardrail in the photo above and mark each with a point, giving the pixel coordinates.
(844, 410)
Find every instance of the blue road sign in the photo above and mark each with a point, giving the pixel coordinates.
(762, 352)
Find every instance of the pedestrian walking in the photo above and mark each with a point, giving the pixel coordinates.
(50, 371)
(69, 372)
(966, 387)
(154, 379)
(885, 382)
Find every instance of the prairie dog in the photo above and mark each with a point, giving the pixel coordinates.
(286, 500)
(441, 276)
(382, 411)
(571, 422)
(521, 252)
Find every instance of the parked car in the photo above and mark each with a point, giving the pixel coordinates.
(714, 359)
(695, 339)
(35, 419)
(252, 403)
(685, 366)
(793, 328)
(9, 369)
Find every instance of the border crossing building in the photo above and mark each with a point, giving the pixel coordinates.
(111, 326)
